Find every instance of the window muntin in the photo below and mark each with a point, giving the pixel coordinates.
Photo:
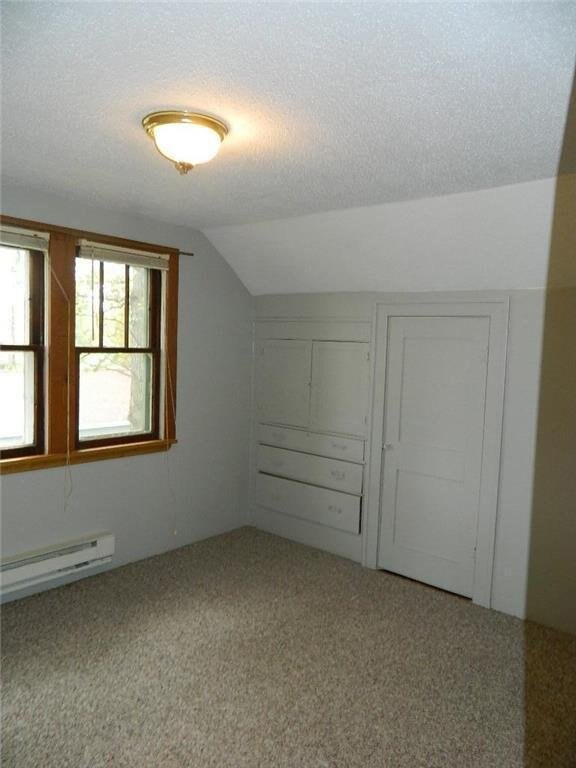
(21, 351)
(117, 352)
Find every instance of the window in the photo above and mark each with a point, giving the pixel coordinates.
(118, 307)
(104, 382)
(21, 344)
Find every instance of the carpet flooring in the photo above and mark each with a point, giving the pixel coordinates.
(248, 650)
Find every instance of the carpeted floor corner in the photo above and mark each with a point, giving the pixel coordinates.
(248, 650)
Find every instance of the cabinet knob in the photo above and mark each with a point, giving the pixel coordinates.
(388, 447)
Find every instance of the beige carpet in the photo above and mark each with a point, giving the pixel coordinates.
(249, 650)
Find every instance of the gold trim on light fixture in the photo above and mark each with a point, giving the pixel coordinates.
(175, 117)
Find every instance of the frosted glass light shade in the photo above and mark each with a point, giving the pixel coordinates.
(187, 143)
(186, 138)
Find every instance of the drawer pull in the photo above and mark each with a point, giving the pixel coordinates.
(338, 474)
(279, 437)
(333, 508)
(277, 462)
(339, 446)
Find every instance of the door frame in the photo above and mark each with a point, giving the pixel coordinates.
(497, 311)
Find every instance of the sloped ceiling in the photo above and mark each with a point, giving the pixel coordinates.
(331, 106)
(487, 239)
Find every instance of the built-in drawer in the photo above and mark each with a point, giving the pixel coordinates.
(324, 445)
(331, 473)
(308, 502)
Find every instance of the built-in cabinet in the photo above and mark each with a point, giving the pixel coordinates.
(318, 385)
(311, 424)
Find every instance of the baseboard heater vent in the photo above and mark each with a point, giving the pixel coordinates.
(37, 566)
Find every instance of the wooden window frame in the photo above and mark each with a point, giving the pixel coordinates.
(61, 445)
(36, 346)
(153, 348)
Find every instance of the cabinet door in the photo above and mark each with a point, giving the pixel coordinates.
(283, 381)
(340, 376)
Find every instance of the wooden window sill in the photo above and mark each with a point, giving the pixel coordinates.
(28, 463)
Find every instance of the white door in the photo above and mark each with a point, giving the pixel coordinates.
(432, 458)
(340, 375)
(283, 381)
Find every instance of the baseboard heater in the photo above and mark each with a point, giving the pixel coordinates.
(40, 565)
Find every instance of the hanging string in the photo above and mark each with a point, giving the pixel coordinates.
(170, 407)
(68, 480)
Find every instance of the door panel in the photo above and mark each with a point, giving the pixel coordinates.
(433, 436)
(340, 378)
(283, 381)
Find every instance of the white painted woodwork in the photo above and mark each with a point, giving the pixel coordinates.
(314, 535)
(322, 445)
(329, 473)
(309, 502)
(326, 329)
(340, 379)
(433, 443)
(283, 369)
(320, 385)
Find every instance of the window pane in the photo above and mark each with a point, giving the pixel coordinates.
(114, 302)
(17, 399)
(87, 298)
(115, 394)
(138, 326)
(14, 296)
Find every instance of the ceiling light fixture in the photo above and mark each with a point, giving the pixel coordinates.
(185, 138)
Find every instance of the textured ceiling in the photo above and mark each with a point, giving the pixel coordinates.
(330, 105)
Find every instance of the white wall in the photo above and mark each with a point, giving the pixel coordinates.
(510, 575)
(511, 561)
(199, 488)
(492, 238)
